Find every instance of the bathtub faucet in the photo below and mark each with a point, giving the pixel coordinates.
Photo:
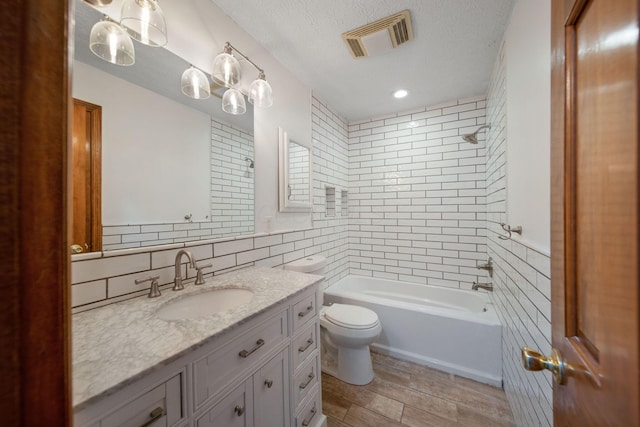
(485, 286)
(488, 266)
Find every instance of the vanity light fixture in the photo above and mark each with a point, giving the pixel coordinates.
(195, 84)
(109, 41)
(400, 93)
(260, 93)
(226, 68)
(233, 102)
(226, 71)
(144, 21)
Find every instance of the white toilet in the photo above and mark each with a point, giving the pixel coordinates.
(346, 332)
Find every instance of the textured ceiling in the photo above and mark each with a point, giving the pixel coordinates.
(452, 55)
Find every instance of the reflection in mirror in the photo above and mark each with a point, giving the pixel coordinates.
(174, 169)
(298, 186)
(295, 174)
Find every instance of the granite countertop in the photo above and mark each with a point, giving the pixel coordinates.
(119, 343)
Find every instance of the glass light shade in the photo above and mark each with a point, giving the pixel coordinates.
(226, 70)
(112, 43)
(233, 102)
(260, 93)
(195, 84)
(144, 21)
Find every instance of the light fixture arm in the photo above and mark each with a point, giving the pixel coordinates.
(228, 47)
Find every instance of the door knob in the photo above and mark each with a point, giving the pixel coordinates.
(76, 249)
(534, 361)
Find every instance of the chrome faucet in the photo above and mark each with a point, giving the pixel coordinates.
(488, 266)
(177, 282)
(485, 286)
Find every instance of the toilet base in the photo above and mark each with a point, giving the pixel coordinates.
(354, 365)
(351, 365)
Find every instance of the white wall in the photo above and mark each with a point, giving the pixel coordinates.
(155, 162)
(528, 80)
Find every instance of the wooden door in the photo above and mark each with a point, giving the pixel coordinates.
(86, 155)
(35, 305)
(594, 211)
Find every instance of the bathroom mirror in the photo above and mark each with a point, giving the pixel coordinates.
(294, 173)
(174, 169)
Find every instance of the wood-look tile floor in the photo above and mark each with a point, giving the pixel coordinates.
(407, 394)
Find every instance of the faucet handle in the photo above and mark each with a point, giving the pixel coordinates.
(199, 278)
(154, 290)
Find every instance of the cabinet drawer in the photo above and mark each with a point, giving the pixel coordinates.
(305, 379)
(304, 310)
(158, 407)
(304, 344)
(311, 413)
(234, 410)
(217, 369)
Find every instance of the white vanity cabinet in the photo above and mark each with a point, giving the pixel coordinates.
(260, 373)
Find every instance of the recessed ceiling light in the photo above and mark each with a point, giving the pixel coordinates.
(400, 93)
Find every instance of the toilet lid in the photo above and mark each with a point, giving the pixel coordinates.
(351, 316)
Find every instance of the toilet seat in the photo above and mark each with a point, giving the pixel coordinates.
(351, 316)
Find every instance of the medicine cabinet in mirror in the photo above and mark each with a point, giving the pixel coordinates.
(295, 174)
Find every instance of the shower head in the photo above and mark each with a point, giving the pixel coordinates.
(250, 160)
(473, 137)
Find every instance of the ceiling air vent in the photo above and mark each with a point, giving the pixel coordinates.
(380, 36)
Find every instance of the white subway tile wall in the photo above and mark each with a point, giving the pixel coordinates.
(108, 277)
(299, 173)
(231, 212)
(522, 289)
(417, 195)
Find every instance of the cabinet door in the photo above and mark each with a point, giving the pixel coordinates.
(271, 392)
(235, 410)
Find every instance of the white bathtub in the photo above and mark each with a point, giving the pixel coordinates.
(451, 330)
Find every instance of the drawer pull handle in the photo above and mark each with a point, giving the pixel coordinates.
(307, 382)
(307, 311)
(155, 415)
(268, 383)
(309, 344)
(246, 353)
(239, 410)
(306, 421)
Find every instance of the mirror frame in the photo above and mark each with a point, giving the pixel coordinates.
(285, 204)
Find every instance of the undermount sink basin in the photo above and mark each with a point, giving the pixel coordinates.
(203, 304)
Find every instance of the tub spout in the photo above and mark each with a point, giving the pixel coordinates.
(488, 266)
(485, 286)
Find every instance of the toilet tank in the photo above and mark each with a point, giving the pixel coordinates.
(312, 264)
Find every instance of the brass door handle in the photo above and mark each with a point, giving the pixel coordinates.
(534, 361)
(76, 249)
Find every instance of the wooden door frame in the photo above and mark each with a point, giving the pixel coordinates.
(96, 173)
(35, 304)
